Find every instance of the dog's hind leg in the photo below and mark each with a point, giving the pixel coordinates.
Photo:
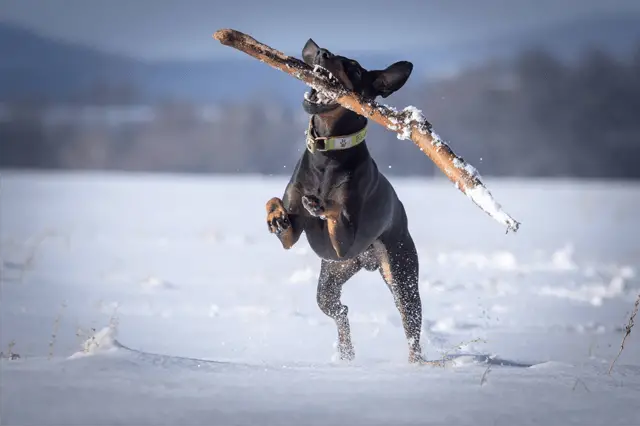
(398, 260)
(333, 275)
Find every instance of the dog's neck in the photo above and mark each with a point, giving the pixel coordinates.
(338, 122)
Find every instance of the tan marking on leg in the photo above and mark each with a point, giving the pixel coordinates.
(287, 240)
(275, 208)
(332, 212)
(387, 273)
(332, 227)
(385, 264)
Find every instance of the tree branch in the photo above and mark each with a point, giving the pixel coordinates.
(408, 123)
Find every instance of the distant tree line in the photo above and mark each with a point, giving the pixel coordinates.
(541, 117)
(532, 116)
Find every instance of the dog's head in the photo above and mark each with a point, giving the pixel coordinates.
(368, 84)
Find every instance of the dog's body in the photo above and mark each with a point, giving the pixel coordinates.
(349, 211)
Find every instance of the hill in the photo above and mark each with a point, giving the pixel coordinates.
(37, 66)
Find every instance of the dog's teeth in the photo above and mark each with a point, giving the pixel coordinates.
(324, 98)
(318, 97)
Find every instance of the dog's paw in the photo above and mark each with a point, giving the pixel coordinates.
(347, 353)
(277, 218)
(313, 206)
(343, 353)
(278, 223)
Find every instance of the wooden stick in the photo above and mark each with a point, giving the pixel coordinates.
(408, 123)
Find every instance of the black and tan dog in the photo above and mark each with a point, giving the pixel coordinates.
(349, 211)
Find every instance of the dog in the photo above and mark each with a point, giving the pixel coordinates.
(348, 210)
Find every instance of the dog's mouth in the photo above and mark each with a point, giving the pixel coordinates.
(314, 97)
(316, 102)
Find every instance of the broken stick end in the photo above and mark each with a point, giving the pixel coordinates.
(481, 196)
(224, 36)
(513, 226)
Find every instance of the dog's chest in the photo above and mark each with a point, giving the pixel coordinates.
(326, 183)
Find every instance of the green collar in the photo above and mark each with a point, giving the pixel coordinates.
(333, 143)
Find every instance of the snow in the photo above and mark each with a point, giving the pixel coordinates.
(437, 140)
(461, 164)
(412, 115)
(481, 196)
(161, 299)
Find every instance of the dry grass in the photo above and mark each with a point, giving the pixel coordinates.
(577, 382)
(485, 376)
(627, 332)
(10, 353)
(56, 327)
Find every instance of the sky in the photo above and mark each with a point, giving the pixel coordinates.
(182, 29)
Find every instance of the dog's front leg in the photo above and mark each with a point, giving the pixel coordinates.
(339, 225)
(287, 226)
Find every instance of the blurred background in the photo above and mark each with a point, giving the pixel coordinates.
(527, 89)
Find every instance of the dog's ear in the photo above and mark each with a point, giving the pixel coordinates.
(309, 51)
(391, 79)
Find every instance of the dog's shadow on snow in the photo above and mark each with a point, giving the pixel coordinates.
(450, 360)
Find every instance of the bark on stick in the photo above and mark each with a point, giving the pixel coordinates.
(408, 123)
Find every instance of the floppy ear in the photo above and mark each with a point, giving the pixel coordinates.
(309, 51)
(391, 79)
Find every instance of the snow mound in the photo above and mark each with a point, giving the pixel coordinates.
(100, 342)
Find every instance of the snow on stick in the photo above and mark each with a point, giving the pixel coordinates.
(408, 123)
